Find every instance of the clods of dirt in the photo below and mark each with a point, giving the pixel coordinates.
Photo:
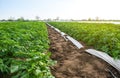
(76, 63)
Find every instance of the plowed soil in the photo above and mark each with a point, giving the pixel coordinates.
(76, 63)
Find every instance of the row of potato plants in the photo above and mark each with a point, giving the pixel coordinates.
(24, 50)
(102, 36)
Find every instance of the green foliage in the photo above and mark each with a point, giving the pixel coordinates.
(23, 50)
(104, 37)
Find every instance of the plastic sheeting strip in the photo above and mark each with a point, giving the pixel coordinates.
(57, 30)
(115, 63)
(75, 42)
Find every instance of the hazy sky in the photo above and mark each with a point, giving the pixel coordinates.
(65, 9)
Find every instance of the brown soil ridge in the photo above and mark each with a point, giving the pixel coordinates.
(76, 63)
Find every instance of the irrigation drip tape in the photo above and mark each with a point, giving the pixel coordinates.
(102, 55)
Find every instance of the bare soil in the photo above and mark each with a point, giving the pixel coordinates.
(76, 63)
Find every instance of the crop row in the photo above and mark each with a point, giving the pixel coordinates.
(104, 37)
(24, 50)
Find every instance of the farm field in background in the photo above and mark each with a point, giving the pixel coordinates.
(102, 36)
(24, 50)
(105, 21)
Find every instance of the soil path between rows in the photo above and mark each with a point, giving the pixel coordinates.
(76, 63)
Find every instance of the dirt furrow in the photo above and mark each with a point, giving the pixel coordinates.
(76, 63)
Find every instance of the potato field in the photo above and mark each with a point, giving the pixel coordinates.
(24, 50)
(34, 49)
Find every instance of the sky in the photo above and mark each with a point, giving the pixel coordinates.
(64, 9)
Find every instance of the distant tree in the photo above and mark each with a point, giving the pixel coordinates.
(71, 19)
(97, 18)
(37, 17)
(89, 19)
(3, 20)
(49, 19)
(20, 19)
(11, 19)
(57, 18)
